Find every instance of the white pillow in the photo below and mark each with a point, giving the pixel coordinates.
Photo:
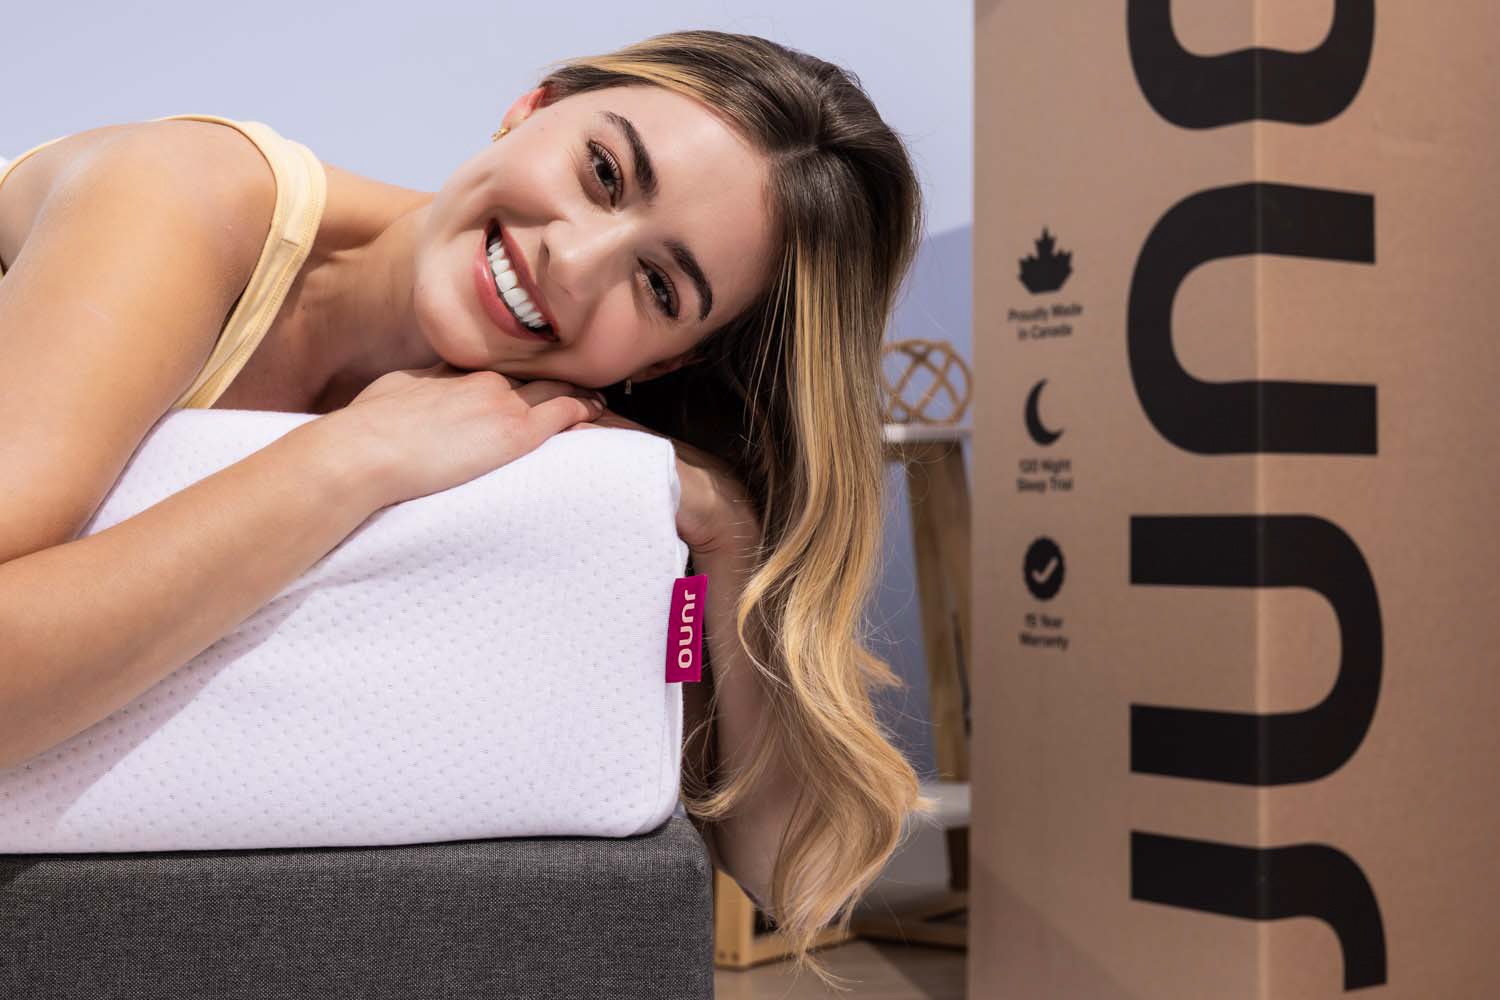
(487, 661)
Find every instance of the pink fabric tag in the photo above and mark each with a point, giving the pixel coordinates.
(685, 629)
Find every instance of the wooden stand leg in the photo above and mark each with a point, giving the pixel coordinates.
(958, 858)
(939, 497)
(938, 494)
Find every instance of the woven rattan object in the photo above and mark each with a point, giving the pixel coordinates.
(918, 355)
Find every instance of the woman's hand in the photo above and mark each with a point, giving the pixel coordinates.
(429, 429)
(715, 511)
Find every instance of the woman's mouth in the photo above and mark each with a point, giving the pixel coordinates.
(501, 294)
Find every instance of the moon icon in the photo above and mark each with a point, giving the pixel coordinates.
(1038, 432)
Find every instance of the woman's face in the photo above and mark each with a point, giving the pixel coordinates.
(630, 282)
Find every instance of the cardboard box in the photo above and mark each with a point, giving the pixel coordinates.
(1236, 687)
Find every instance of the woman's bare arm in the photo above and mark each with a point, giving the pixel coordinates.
(743, 845)
(87, 626)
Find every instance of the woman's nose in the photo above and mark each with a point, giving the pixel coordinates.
(579, 258)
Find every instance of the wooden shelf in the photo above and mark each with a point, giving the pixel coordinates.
(902, 433)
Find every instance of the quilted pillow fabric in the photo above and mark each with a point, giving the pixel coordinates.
(481, 662)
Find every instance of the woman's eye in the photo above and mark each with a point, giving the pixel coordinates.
(598, 154)
(610, 180)
(667, 305)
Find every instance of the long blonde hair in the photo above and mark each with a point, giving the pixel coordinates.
(789, 394)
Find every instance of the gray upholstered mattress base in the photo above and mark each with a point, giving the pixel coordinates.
(544, 917)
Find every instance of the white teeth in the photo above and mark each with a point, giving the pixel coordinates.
(509, 287)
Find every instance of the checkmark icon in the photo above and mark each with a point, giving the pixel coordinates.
(1043, 568)
(1045, 573)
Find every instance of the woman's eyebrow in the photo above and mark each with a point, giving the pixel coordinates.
(645, 179)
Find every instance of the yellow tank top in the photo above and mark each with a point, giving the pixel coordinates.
(301, 192)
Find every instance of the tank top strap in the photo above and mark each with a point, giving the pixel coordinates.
(301, 194)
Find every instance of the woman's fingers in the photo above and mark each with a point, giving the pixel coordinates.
(541, 390)
(563, 411)
(444, 370)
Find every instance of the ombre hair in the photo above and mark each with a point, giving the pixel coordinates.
(788, 393)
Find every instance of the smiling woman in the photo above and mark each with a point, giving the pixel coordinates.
(720, 222)
(741, 225)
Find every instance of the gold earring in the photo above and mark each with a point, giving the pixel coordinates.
(499, 132)
(627, 387)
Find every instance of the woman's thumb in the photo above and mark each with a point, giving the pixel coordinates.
(561, 412)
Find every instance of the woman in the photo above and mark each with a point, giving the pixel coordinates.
(709, 227)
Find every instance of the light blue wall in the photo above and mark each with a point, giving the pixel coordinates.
(404, 92)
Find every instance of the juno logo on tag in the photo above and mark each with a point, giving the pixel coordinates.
(685, 629)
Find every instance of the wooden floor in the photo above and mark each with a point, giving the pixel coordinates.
(873, 970)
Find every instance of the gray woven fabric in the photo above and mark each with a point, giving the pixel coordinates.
(527, 917)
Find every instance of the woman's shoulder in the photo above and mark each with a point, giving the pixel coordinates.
(207, 149)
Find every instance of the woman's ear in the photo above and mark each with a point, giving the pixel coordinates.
(524, 106)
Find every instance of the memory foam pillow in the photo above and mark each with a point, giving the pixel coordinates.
(486, 661)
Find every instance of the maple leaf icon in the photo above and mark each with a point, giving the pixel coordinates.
(1045, 271)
